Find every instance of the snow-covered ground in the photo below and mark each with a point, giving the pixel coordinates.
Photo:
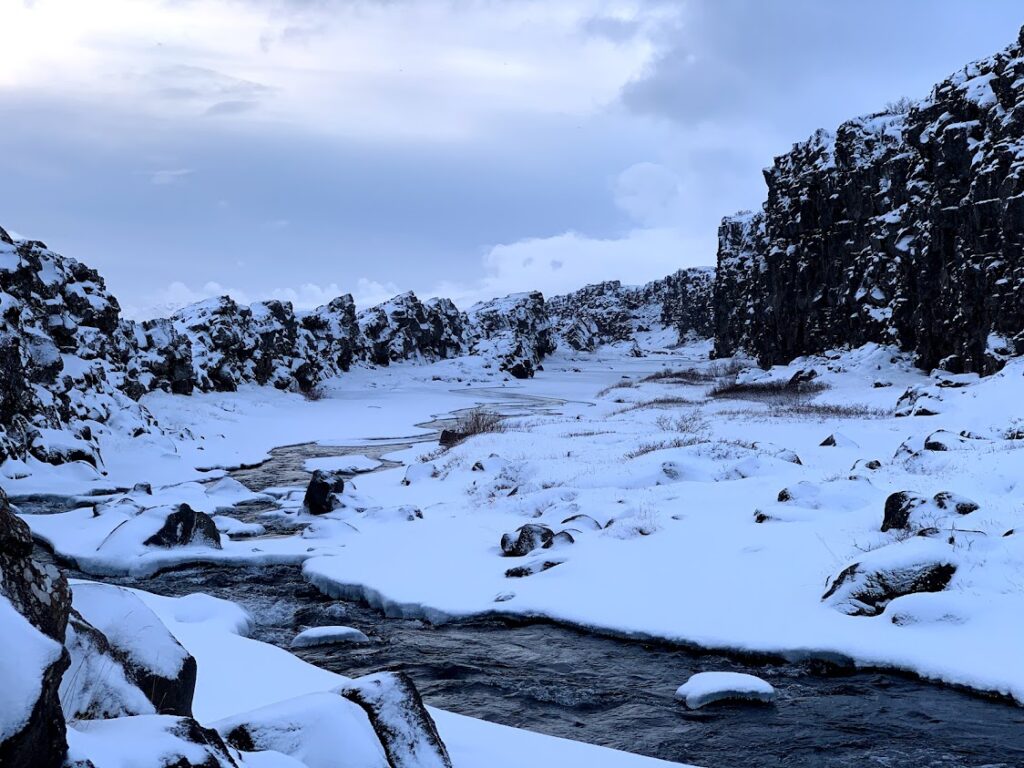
(749, 520)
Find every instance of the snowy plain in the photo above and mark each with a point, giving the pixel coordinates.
(690, 517)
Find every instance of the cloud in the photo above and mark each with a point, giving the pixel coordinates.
(366, 292)
(649, 193)
(170, 176)
(236, 107)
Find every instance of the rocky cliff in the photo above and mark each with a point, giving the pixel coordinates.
(609, 312)
(903, 227)
(73, 368)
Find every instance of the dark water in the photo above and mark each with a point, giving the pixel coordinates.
(620, 693)
(606, 691)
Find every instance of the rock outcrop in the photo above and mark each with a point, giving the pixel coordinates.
(34, 607)
(904, 227)
(515, 331)
(71, 366)
(609, 313)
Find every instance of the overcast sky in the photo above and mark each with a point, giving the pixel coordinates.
(469, 148)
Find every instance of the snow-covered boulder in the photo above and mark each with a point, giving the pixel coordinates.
(866, 587)
(315, 636)
(402, 723)
(706, 688)
(525, 539)
(909, 511)
(97, 685)
(153, 658)
(320, 730)
(34, 608)
(147, 740)
(185, 527)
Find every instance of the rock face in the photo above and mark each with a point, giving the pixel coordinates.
(515, 331)
(34, 607)
(607, 313)
(404, 328)
(902, 227)
(67, 361)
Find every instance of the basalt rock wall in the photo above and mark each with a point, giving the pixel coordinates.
(904, 227)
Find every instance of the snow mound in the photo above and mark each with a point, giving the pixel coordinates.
(708, 687)
(328, 636)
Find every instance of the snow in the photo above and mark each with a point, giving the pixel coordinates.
(328, 636)
(713, 521)
(130, 626)
(21, 672)
(708, 687)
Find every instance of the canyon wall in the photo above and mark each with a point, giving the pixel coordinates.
(904, 227)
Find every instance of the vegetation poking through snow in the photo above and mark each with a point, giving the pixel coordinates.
(774, 390)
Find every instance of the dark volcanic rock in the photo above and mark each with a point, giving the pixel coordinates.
(321, 492)
(515, 331)
(185, 527)
(402, 723)
(898, 507)
(526, 539)
(947, 500)
(860, 590)
(609, 312)
(902, 227)
(40, 594)
(405, 329)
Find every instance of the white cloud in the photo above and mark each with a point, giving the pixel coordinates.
(178, 294)
(373, 70)
(563, 263)
(171, 176)
(649, 193)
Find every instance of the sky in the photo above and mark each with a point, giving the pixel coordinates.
(300, 149)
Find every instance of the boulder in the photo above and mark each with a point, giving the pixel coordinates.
(320, 730)
(525, 539)
(322, 492)
(153, 659)
(335, 635)
(176, 742)
(953, 502)
(403, 725)
(538, 566)
(865, 588)
(898, 508)
(97, 685)
(451, 437)
(185, 527)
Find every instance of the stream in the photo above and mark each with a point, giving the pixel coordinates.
(616, 693)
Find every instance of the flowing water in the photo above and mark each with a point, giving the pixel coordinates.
(617, 693)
